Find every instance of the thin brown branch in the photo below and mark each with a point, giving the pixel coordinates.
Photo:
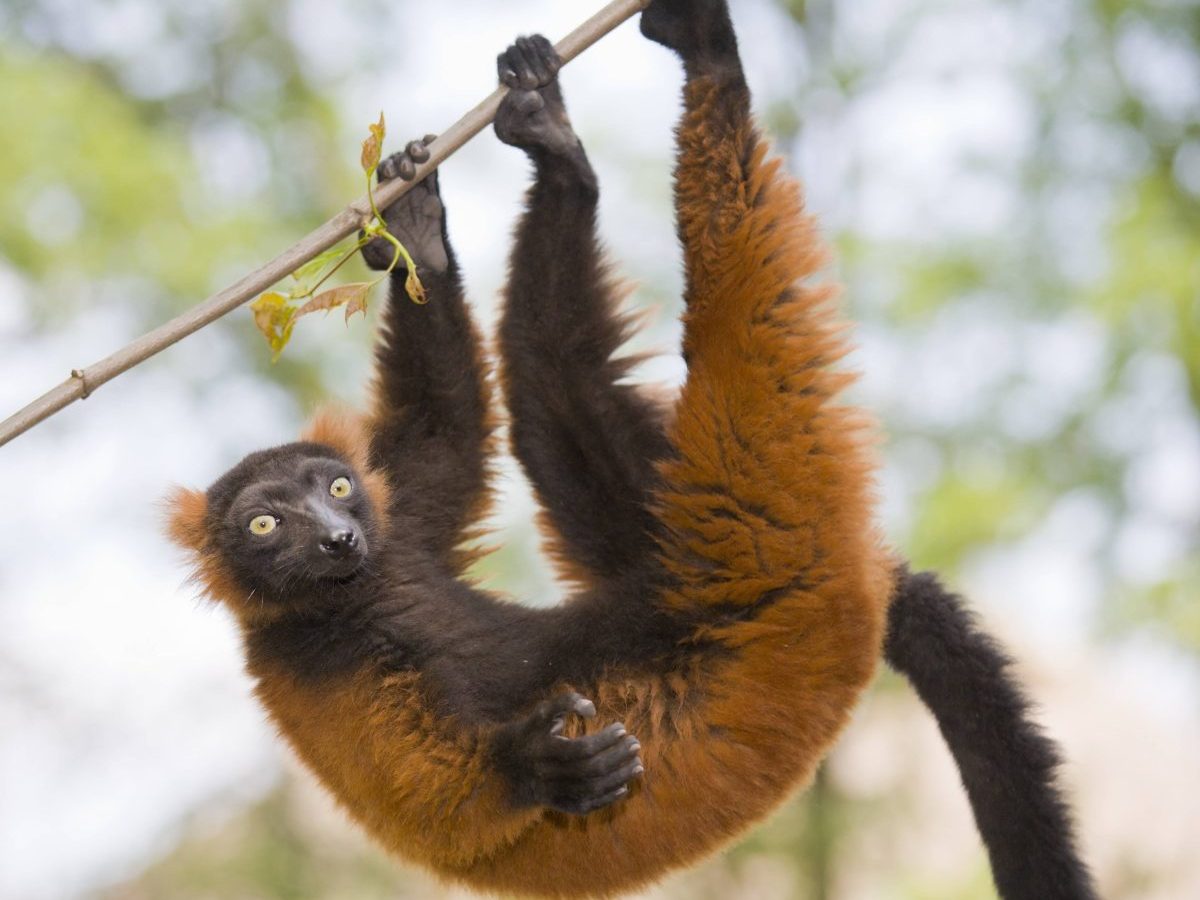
(86, 381)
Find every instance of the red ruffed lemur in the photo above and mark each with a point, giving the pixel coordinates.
(733, 591)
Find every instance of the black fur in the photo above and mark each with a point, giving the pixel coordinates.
(1006, 764)
(700, 31)
(574, 777)
(587, 442)
(431, 437)
(290, 483)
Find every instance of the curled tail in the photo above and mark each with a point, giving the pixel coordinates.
(1006, 764)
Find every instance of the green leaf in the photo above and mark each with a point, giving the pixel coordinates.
(314, 267)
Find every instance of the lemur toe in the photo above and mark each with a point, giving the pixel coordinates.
(532, 59)
(547, 55)
(521, 66)
(506, 73)
(398, 165)
(417, 151)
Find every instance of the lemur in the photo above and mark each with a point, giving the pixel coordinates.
(732, 591)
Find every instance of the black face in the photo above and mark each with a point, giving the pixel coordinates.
(292, 522)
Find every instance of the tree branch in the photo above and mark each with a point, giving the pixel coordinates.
(84, 382)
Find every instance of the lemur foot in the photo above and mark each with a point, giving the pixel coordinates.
(698, 30)
(532, 115)
(417, 220)
(571, 775)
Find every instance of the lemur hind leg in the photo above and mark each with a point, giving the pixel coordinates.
(767, 504)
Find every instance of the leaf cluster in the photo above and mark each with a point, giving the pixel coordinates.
(276, 312)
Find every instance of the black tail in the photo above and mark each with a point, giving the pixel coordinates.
(1006, 764)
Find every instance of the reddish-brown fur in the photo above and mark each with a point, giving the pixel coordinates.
(766, 508)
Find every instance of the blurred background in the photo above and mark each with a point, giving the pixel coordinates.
(1013, 189)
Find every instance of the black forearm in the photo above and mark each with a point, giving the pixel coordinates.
(428, 364)
(431, 407)
(587, 442)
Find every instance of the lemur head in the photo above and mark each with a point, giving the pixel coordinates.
(285, 529)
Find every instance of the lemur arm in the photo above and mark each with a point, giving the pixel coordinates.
(587, 442)
(430, 423)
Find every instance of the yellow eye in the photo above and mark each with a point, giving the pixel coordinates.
(261, 525)
(341, 487)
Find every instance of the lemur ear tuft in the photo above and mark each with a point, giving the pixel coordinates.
(343, 431)
(186, 511)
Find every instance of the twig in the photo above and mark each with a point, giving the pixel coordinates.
(84, 382)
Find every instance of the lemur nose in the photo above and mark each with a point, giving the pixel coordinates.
(339, 543)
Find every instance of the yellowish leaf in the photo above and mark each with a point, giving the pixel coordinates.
(275, 319)
(342, 295)
(356, 305)
(413, 286)
(372, 147)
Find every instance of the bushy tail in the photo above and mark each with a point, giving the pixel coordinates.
(1006, 764)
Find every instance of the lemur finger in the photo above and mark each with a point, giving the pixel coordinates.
(589, 745)
(406, 168)
(429, 139)
(553, 712)
(583, 807)
(387, 168)
(622, 776)
(592, 755)
(622, 753)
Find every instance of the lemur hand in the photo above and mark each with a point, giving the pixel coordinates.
(571, 775)
(417, 220)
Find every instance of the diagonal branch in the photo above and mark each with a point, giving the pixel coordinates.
(86, 381)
